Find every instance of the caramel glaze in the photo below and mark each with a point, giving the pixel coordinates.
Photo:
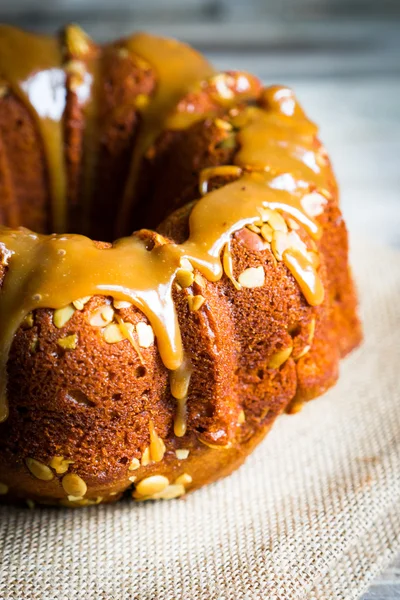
(277, 165)
(52, 271)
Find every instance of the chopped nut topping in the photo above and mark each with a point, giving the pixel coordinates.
(145, 334)
(102, 316)
(199, 279)
(90, 502)
(74, 485)
(241, 417)
(252, 277)
(277, 222)
(264, 214)
(182, 453)
(74, 498)
(221, 124)
(252, 241)
(68, 343)
(107, 314)
(280, 357)
(118, 304)
(150, 485)
(132, 478)
(3, 489)
(80, 302)
(80, 501)
(113, 334)
(170, 492)
(27, 322)
(60, 464)
(253, 228)
(61, 316)
(184, 278)
(184, 479)
(274, 219)
(39, 470)
(159, 239)
(267, 232)
(146, 457)
(287, 241)
(195, 302)
(134, 464)
(77, 41)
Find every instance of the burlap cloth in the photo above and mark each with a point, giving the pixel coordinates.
(315, 512)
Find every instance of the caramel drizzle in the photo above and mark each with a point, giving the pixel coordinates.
(279, 165)
(32, 67)
(39, 266)
(179, 381)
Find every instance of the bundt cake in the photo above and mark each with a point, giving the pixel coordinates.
(155, 364)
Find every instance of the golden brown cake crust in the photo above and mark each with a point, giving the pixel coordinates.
(24, 191)
(91, 411)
